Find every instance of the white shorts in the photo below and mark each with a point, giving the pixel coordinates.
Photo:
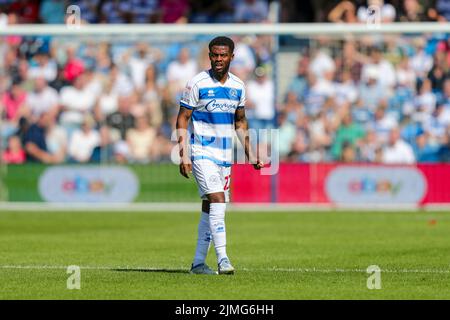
(211, 178)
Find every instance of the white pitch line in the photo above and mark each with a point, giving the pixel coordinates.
(299, 270)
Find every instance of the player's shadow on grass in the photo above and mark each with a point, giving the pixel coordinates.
(151, 270)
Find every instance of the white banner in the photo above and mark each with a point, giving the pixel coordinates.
(74, 184)
(375, 185)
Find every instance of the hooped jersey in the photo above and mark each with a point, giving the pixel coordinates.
(212, 122)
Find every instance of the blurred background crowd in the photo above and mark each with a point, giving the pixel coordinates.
(382, 99)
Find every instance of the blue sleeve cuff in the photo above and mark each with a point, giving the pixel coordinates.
(184, 105)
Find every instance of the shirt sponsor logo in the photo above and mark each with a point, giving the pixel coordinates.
(213, 105)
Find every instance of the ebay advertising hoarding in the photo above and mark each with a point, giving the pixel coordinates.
(342, 184)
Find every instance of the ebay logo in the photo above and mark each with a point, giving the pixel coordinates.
(81, 184)
(368, 185)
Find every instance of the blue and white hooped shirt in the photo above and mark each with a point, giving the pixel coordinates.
(212, 125)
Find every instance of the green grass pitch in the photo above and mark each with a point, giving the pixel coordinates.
(277, 255)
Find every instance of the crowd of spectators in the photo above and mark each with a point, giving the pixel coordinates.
(111, 101)
(135, 11)
(221, 11)
(359, 99)
(386, 102)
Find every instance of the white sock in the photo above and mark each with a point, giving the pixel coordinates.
(203, 240)
(217, 226)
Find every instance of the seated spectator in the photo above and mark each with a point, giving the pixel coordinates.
(244, 62)
(369, 146)
(83, 141)
(397, 151)
(343, 12)
(27, 11)
(14, 153)
(56, 137)
(299, 84)
(380, 68)
(144, 11)
(206, 11)
(122, 85)
(286, 134)
(43, 66)
(436, 124)
(425, 151)
(421, 62)
(292, 107)
(152, 96)
(52, 11)
(106, 103)
(179, 72)
(174, 11)
(260, 101)
(75, 102)
(443, 10)
(138, 64)
(348, 132)
(371, 93)
(383, 124)
(412, 11)
(348, 153)
(387, 11)
(444, 98)
(14, 104)
(43, 98)
(426, 100)
(253, 11)
(74, 66)
(141, 140)
(104, 151)
(115, 11)
(35, 143)
(122, 120)
(89, 10)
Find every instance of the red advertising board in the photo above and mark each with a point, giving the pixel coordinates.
(344, 184)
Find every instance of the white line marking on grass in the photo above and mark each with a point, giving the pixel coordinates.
(274, 269)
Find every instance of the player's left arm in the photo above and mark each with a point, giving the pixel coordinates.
(241, 127)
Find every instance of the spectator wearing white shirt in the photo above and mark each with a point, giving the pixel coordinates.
(179, 72)
(421, 62)
(260, 100)
(122, 85)
(43, 66)
(43, 98)
(397, 150)
(138, 64)
(83, 141)
(387, 11)
(75, 102)
(244, 62)
(385, 70)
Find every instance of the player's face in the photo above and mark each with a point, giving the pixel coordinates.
(220, 57)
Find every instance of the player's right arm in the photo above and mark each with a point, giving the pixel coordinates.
(184, 115)
(188, 103)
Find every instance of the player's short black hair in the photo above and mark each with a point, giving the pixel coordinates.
(222, 41)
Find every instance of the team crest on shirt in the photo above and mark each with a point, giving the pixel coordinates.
(233, 93)
(214, 180)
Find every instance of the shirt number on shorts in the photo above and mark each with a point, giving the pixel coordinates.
(227, 183)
